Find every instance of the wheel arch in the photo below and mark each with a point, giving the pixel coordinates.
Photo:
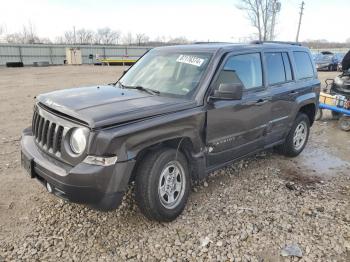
(309, 110)
(195, 160)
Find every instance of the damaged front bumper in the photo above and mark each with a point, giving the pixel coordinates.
(100, 186)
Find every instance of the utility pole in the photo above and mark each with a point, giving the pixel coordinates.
(301, 15)
(75, 39)
(276, 7)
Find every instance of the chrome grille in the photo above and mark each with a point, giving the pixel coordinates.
(47, 133)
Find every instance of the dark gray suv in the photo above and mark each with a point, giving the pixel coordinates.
(175, 116)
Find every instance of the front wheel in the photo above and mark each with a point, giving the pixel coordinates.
(297, 137)
(162, 184)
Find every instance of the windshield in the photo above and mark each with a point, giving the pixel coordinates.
(171, 74)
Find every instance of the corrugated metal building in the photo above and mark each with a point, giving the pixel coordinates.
(56, 54)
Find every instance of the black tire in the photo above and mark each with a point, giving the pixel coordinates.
(344, 123)
(148, 181)
(14, 64)
(336, 115)
(289, 148)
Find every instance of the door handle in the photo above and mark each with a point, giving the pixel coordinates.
(293, 93)
(261, 102)
(256, 102)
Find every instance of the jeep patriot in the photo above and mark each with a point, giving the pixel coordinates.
(176, 115)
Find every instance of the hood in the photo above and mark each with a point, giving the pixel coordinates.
(100, 106)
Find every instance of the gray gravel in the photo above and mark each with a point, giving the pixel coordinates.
(251, 211)
(242, 213)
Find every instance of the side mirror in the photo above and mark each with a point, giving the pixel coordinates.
(229, 92)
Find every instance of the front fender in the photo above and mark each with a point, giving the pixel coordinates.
(128, 140)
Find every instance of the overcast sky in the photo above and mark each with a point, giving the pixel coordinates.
(200, 20)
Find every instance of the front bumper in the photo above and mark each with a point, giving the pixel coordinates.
(102, 187)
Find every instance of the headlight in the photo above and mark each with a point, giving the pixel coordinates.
(78, 141)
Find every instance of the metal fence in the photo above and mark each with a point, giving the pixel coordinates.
(56, 54)
(333, 50)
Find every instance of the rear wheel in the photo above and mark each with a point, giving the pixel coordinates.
(344, 123)
(162, 184)
(297, 137)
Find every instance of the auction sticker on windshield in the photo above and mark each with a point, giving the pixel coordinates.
(191, 60)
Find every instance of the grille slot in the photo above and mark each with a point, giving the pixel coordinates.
(52, 130)
(59, 138)
(40, 128)
(47, 133)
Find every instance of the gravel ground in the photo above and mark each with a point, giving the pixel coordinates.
(265, 208)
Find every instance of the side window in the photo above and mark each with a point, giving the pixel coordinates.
(303, 63)
(287, 66)
(275, 68)
(245, 69)
(278, 68)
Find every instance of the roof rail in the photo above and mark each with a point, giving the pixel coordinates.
(257, 42)
(203, 43)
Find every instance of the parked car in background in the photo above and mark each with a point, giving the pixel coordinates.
(340, 57)
(327, 61)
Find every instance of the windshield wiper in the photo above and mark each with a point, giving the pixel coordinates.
(141, 88)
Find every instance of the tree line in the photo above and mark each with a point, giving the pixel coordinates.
(83, 36)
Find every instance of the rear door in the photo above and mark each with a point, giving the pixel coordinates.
(237, 127)
(290, 76)
(281, 86)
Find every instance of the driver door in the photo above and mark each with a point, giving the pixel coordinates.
(237, 127)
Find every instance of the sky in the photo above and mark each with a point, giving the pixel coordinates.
(199, 20)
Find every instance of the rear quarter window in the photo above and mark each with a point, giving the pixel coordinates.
(304, 68)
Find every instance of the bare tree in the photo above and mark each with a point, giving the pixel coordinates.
(2, 29)
(84, 36)
(161, 39)
(81, 36)
(141, 38)
(179, 40)
(14, 38)
(68, 38)
(107, 36)
(29, 34)
(259, 13)
(59, 40)
(128, 39)
(45, 40)
(26, 36)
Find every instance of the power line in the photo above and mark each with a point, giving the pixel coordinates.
(301, 15)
